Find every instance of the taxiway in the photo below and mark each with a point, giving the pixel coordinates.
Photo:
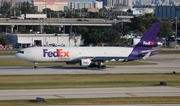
(166, 64)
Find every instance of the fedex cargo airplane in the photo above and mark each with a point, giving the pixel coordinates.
(94, 56)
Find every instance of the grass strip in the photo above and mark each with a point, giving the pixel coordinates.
(7, 52)
(96, 101)
(51, 85)
(169, 52)
(89, 80)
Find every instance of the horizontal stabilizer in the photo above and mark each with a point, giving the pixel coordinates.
(147, 55)
(154, 50)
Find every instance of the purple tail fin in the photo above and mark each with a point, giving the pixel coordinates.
(149, 38)
(143, 48)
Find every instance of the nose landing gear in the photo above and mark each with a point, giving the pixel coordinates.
(35, 65)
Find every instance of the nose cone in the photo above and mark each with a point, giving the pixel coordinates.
(17, 56)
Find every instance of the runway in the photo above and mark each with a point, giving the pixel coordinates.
(89, 92)
(166, 64)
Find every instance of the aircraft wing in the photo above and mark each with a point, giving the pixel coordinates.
(109, 58)
(99, 58)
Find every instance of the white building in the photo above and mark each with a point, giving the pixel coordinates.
(129, 4)
(75, 5)
(80, 5)
(26, 40)
(71, 4)
(97, 4)
(122, 5)
(142, 11)
(55, 5)
(120, 8)
(88, 4)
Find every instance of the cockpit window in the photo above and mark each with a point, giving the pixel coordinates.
(21, 52)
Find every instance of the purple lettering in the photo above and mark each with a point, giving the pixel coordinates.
(50, 54)
(44, 52)
(56, 53)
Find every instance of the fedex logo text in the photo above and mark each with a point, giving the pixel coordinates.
(85, 62)
(148, 43)
(58, 53)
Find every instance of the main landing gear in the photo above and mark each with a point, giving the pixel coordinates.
(99, 65)
(35, 65)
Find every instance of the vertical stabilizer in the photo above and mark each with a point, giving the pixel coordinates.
(149, 38)
(144, 47)
(152, 32)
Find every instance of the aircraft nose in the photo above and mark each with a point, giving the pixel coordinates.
(17, 55)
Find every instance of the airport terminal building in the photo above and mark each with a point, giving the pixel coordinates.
(28, 40)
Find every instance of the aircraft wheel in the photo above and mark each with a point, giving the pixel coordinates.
(99, 67)
(35, 67)
(92, 65)
(103, 67)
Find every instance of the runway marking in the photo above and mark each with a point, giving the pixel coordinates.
(58, 96)
(129, 94)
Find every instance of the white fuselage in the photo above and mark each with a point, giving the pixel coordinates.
(45, 54)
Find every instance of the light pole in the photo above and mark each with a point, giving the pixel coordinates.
(20, 8)
(176, 30)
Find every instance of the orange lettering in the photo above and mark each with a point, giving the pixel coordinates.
(60, 53)
(66, 54)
